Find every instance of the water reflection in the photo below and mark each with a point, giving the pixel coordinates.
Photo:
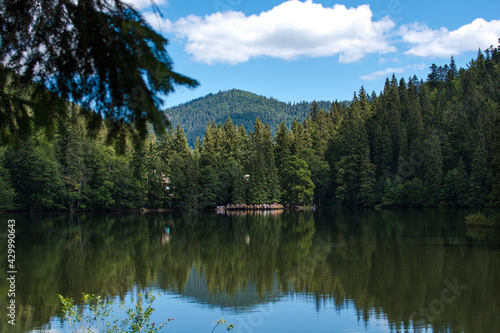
(395, 265)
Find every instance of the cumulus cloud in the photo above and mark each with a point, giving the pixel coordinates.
(158, 23)
(141, 4)
(444, 43)
(288, 31)
(383, 73)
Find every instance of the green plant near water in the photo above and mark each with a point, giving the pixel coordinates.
(481, 220)
(98, 315)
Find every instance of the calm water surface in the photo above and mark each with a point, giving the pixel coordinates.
(324, 271)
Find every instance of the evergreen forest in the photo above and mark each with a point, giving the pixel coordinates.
(242, 106)
(433, 142)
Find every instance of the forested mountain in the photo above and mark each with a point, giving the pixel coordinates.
(242, 106)
(418, 143)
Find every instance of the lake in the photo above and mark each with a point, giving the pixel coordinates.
(322, 271)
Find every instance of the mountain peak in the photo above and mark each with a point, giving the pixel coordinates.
(242, 106)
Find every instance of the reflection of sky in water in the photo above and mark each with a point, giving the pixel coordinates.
(292, 313)
(382, 267)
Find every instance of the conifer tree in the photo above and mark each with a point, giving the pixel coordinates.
(480, 186)
(35, 174)
(353, 168)
(495, 165)
(183, 172)
(392, 105)
(208, 153)
(426, 105)
(320, 173)
(433, 169)
(264, 183)
(314, 112)
(367, 179)
(229, 146)
(301, 138)
(282, 146)
(76, 147)
(456, 186)
(66, 46)
(299, 188)
(321, 134)
(208, 188)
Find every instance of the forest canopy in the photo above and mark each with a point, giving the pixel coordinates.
(433, 142)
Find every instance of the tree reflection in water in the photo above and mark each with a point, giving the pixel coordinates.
(387, 263)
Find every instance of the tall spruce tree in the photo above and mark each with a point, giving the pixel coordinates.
(66, 46)
(183, 172)
(433, 169)
(299, 188)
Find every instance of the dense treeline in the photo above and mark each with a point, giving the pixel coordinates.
(415, 144)
(242, 106)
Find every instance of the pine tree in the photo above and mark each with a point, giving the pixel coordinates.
(320, 173)
(480, 181)
(183, 172)
(70, 55)
(433, 77)
(243, 146)
(264, 183)
(314, 112)
(367, 180)
(427, 107)
(208, 187)
(433, 169)
(364, 104)
(229, 146)
(301, 138)
(209, 152)
(392, 105)
(35, 174)
(353, 168)
(282, 146)
(232, 183)
(455, 186)
(273, 178)
(179, 142)
(299, 188)
(382, 151)
(495, 165)
(321, 135)
(76, 171)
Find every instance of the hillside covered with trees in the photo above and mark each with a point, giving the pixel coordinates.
(417, 143)
(242, 106)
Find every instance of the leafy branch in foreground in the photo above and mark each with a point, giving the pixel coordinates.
(100, 54)
(98, 315)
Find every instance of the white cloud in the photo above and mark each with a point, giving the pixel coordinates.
(288, 31)
(444, 43)
(383, 60)
(157, 23)
(141, 4)
(383, 73)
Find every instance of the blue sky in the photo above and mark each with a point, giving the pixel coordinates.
(316, 50)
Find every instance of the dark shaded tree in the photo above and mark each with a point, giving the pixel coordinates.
(100, 54)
